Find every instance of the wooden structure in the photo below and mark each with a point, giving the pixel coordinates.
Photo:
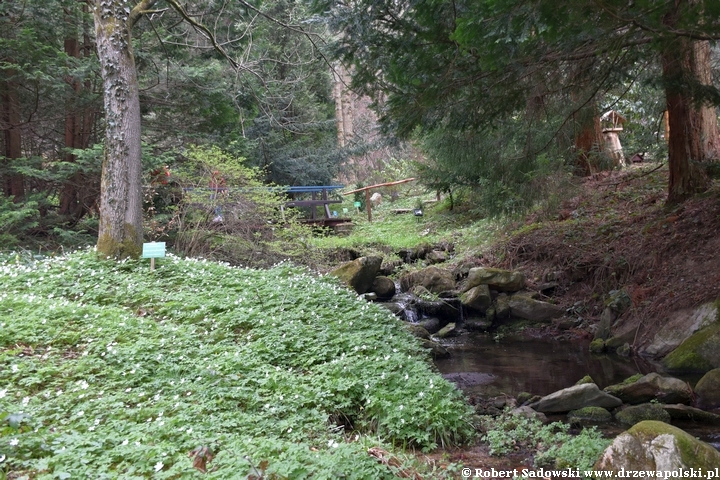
(612, 125)
(367, 193)
(318, 198)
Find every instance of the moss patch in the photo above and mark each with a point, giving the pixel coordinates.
(695, 454)
(699, 353)
(638, 413)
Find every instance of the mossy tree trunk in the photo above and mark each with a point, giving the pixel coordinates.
(120, 230)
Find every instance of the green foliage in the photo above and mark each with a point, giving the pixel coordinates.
(490, 87)
(116, 371)
(228, 213)
(552, 444)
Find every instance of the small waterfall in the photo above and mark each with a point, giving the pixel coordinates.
(409, 314)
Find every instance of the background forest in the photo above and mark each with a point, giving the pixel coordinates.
(494, 102)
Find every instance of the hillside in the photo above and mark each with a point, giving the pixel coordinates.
(619, 234)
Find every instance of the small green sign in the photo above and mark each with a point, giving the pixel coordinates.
(358, 204)
(153, 250)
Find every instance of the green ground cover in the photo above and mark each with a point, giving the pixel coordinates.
(110, 370)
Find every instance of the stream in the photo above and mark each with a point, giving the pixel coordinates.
(538, 366)
(484, 367)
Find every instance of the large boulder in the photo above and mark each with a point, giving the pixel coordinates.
(657, 446)
(384, 287)
(522, 306)
(477, 298)
(707, 389)
(699, 353)
(678, 326)
(360, 273)
(652, 386)
(435, 279)
(575, 398)
(495, 278)
(638, 413)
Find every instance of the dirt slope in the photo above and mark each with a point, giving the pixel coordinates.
(618, 233)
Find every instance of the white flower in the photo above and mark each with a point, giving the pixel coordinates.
(14, 442)
(14, 368)
(125, 442)
(25, 401)
(159, 466)
(3, 392)
(289, 430)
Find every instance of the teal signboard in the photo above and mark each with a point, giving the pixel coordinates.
(153, 250)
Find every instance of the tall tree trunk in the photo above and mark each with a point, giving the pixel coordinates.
(344, 105)
(588, 136)
(69, 197)
(588, 140)
(701, 68)
(77, 196)
(13, 184)
(120, 231)
(693, 137)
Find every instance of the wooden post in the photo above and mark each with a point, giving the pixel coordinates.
(367, 204)
(367, 192)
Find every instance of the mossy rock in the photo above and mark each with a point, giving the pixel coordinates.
(652, 386)
(359, 274)
(525, 397)
(584, 380)
(589, 416)
(417, 330)
(699, 353)
(652, 444)
(597, 346)
(639, 413)
(707, 389)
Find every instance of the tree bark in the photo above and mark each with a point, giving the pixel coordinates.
(13, 184)
(693, 137)
(588, 140)
(75, 197)
(344, 105)
(120, 232)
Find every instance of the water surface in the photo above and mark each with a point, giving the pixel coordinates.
(538, 366)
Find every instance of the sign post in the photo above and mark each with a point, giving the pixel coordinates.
(152, 251)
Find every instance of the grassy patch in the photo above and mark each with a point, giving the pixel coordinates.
(391, 231)
(115, 371)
